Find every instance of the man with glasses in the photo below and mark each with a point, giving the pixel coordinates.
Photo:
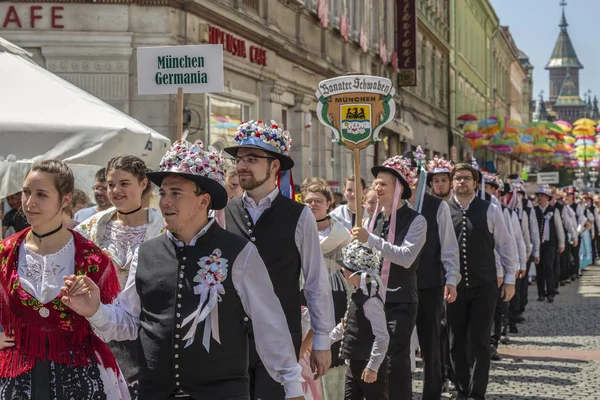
(480, 229)
(285, 233)
(100, 196)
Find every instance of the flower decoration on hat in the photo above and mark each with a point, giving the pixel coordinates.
(192, 158)
(364, 260)
(545, 189)
(402, 165)
(491, 179)
(270, 134)
(571, 190)
(439, 165)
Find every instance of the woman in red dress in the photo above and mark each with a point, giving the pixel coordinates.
(52, 353)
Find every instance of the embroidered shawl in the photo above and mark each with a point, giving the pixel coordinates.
(51, 331)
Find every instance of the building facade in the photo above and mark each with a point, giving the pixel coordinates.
(275, 53)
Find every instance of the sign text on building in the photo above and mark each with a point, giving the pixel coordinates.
(32, 17)
(195, 69)
(407, 42)
(237, 46)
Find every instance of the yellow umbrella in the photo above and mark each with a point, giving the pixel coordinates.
(585, 121)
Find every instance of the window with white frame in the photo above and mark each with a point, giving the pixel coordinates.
(224, 116)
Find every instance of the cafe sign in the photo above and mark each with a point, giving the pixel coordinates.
(356, 107)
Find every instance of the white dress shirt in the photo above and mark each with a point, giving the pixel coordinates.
(449, 242)
(375, 313)
(503, 242)
(519, 241)
(526, 230)
(317, 289)
(405, 254)
(120, 321)
(343, 214)
(569, 221)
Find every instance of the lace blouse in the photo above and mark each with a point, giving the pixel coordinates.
(120, 242)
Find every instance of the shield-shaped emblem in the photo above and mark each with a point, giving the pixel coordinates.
(356, 107)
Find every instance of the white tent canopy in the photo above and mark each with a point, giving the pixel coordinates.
(43, 116)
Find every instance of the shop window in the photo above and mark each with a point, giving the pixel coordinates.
(224, 118)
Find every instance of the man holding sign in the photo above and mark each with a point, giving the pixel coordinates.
(399, 232)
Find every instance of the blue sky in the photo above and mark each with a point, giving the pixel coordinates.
(534, 26)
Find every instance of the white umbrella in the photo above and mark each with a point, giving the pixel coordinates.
(42, 116)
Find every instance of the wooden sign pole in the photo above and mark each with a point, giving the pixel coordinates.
(357, 188)
(179, 113)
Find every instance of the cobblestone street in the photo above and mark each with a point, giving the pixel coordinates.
(556, 354)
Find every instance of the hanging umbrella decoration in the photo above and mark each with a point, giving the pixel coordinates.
(584, 130)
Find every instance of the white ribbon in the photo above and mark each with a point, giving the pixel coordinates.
(213, 294)
(546, 235)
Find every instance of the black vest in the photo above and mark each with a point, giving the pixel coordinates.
(164, 282)
(358, 338)
(593, 211)
(553, 240)
(431, 271)
(400, 277)
(475, 241)
(559, 209)
(274, 236)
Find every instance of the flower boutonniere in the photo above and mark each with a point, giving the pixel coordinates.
(210, 277)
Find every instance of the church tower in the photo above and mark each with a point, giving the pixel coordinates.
(564, 69)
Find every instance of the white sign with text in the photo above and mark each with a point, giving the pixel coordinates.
(195, 69)
(547, 178)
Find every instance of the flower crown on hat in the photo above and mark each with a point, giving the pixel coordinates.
(545, 189)
(360, 257)
(439, 165)
(571, 190)
(192, 158)
(272, 135)
(402, 165)
(491, 179)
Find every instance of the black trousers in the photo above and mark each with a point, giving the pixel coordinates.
(401, 319)
(262, 386)
(500, 320)
(357, 389)
(470, 319)
(545, 270)
(445, 346)
(575, 258)
(525, 286)
(429, 321)
(565, 263)
(514, 305)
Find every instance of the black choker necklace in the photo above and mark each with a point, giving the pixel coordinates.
(130, 212)
(46, 234)
(324, 219)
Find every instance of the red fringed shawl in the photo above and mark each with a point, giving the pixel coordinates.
(51, 331)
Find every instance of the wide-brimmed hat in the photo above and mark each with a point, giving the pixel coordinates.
(545, 189)
(270, 138)
(401, 168)
(357, 257)
(192, 162)
(438, 165)
(491, 179)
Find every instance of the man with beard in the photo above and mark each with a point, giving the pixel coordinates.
(437, 277)
(102, 202)
(438, 178)
(480, 229)
(285, 233)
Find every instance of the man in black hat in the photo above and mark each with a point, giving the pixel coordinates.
(189, 298)
(285, 233)
(552, 239)
(399, 233)
(480, 229)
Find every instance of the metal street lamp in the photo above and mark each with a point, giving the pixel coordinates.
(579, 174)
(593, 176)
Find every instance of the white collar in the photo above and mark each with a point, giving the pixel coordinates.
(268, 200)
(180, 243)
(468, 204)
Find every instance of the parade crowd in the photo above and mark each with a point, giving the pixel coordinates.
(236, 290)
